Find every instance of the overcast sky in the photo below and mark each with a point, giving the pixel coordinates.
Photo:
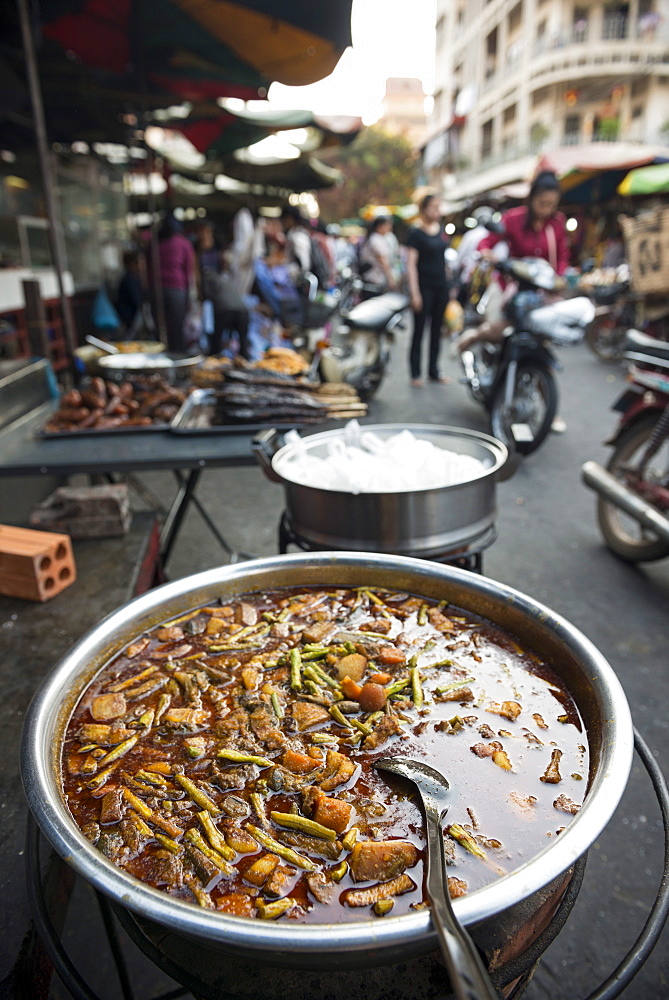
(390, 38)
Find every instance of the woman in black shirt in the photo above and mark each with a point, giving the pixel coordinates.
(428, 286)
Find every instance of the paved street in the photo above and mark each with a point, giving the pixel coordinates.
(548, 546)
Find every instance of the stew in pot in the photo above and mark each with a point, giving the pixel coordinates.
(226, 756)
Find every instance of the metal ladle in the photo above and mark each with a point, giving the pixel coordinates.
(102, 345)
(469, 977)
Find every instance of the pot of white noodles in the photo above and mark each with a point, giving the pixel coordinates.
(404, 489)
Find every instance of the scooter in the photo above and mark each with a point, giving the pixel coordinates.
(633, 490)
(514, 377)
(351, 342)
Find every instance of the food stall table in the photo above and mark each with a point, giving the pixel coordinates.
(24, 453)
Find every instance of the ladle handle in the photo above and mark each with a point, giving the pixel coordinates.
(102, 345)
(469, 977)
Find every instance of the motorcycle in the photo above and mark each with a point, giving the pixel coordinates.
(617, 309)
(514, 377)
(633, 490)
(614, 315)
(349, 341)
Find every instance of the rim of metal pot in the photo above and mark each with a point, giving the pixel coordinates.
(137, 361)
(40, 756)
(496, 448)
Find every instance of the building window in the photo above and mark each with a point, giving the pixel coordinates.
(439, 31)
(649, 20)
(491, 54)
(637, 111)
(539, 96)
(509, 114)
(615, 25)
(572, 130)
(579, 25)
(515, 17)
(486, 139)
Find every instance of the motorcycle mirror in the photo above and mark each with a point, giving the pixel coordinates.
(496, 227)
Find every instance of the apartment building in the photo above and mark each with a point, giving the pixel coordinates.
(514, 77)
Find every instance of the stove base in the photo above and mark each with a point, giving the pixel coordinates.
(466, 557)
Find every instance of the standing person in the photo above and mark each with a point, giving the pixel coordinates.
(130, 294)
(298, 240)
(243, 251)
(176, 259)
(207, 258)
(230, 311)
(428, 286)
(377, 256)
(468, 250)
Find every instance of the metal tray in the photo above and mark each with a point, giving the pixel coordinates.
(198, 410)
(101, 431)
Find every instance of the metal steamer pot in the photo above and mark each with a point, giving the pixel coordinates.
(171, 366)
(425, 523)
(519, 905)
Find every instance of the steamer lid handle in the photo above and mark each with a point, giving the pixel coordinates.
(265, 446)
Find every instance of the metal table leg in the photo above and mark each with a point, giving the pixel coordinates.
(185, 496)
(177, 511)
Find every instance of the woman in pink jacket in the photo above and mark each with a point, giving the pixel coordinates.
(535, 229)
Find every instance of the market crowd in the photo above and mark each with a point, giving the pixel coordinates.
(241, 290)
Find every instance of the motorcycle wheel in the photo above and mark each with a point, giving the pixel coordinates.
(606, 338)
(535, 400)
(624, 536)
(372, 378)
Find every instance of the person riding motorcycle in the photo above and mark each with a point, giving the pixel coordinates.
(536, 229)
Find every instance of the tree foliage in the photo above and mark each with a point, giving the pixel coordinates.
(378, 168)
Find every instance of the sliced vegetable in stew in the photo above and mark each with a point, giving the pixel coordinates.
(225, 757)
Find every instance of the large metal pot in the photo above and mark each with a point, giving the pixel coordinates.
(425, 523)
(523, 898)
(123, 365)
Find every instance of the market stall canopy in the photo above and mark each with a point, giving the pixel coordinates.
(592, 172)
(646, 180)
(207, 49)
(217, 130)
(304, 173)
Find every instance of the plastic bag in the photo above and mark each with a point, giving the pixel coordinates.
(454, 315)
(193, 327)
(104, 315)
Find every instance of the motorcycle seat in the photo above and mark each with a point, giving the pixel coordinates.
(640, 343)
(374, 314)
(606, 295)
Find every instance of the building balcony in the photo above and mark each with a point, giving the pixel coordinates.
(613, 58)
(618, 48)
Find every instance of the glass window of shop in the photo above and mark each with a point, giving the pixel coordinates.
(93, 213)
